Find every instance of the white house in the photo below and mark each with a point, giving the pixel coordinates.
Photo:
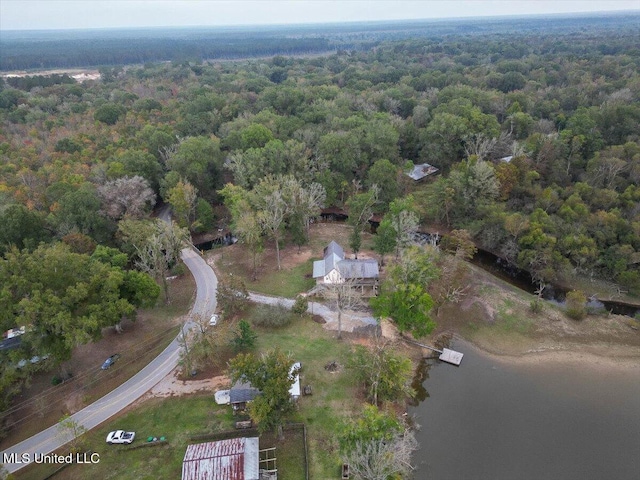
(334, 268)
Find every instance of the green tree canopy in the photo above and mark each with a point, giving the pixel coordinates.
(271, 374)
(65, 298)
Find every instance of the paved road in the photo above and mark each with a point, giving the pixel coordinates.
(93, 415)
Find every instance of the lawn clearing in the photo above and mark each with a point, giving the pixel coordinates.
(174, 418)
(297, 263)
(335, 396)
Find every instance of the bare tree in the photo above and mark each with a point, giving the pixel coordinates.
(380, 459)
(272, 218)
(453, 283)
(303, 201)
(344, 296)
(70, 431)
(404, 222)
(603, 172)
(360, 207)
(313, 199)
(384, 375)
(479, 145)
(130, 196)
(205, 345)
(249, 231)
(168, 152)
(161, 251)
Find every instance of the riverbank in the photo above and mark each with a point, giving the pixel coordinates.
(496, 318)
(603, 357)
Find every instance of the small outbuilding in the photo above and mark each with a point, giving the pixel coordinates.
(241, 393)
(232, 459)
(294, 391)
(421, 171)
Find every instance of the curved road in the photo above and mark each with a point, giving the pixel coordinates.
(91, 416)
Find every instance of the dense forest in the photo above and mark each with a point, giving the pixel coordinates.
(535, 133)
(23, 50)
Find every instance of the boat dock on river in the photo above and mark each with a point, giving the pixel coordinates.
(446, 354)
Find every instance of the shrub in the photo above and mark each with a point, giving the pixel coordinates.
(244, 337)
(576, 305)
(536, 306)
(300, 306)
(272, 316)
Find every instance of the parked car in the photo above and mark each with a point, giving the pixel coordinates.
(120, 436)
(110, 361)
(213, 321)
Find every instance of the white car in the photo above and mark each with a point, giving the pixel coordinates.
(213, 321)
(120, 436)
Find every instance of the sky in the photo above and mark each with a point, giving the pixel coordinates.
(68, 14)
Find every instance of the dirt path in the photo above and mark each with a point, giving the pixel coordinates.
(172, 386)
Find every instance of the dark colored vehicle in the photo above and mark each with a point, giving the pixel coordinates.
(110, 361)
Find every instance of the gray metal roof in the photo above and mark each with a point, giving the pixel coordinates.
(232, 459)
(318, 268)
(334, 259)
(421, 171)
(242, 392)
(333, 248)
(333, 253)
(358, 268)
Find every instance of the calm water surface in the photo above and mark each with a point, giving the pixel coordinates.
(491, 420)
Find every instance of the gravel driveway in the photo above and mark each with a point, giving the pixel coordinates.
(350, 320)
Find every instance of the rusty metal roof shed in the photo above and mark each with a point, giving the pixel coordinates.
(232, 459)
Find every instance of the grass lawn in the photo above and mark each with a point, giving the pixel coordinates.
(287, 282)
(334, 397)
(174, 418)
(335, 394)
(297, 264)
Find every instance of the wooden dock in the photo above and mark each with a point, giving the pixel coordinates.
(451, 356)
(446, 354)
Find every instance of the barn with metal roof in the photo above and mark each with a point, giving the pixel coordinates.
(232, 459)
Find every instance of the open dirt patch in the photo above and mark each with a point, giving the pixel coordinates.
(173, 386)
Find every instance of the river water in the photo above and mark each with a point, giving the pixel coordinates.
(489, 419)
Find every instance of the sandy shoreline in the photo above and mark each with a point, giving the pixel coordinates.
(594, 357)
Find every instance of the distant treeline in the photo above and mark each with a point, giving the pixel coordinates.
(21, 55)
(27, 83)
(23, 50)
